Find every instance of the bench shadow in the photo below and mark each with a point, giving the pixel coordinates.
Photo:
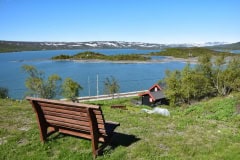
(121, 139)
(118, 139)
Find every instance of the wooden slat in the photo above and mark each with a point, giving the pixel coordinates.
(71, 108)
(66, 120)
(97, 112)
(101, 126)
(64, 111)
(63, 103)
(56, 114)
(74, 133)
(68, 125)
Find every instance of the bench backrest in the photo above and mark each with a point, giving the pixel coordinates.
(75, 116)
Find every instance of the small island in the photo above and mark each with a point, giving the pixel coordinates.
(88, 55)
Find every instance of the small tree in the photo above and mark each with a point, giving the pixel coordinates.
(173, 87)
(70, 89)
(111, 86)
(3, 92)
(37, 84)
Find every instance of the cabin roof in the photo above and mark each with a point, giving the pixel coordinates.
(157, 95)
(155, 85)
(154, 95)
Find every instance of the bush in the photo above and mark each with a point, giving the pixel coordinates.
(3, 92)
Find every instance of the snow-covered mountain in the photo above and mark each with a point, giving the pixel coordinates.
(122, 44)
(104, 44)
(206, 44)
(23, 45)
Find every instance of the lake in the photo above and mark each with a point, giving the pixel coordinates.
(131, 76)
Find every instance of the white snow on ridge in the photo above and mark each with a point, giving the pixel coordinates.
(75, 45)
(110, 44)
(122, 44)
(92, 45)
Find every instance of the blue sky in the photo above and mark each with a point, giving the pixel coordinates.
(157, 21)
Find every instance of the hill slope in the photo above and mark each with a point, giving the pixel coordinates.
(207, 130)
(233, 46)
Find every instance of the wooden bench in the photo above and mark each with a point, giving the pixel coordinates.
(81, 120)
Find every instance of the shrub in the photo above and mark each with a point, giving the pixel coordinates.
(3, 92)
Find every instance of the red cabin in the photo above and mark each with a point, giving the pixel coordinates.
(153, 96)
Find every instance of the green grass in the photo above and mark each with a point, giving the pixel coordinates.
(207, 130)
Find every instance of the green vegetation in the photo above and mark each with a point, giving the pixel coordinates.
(189, 52)
(175, 52)
(207, 79)
(3, 92)
(39, 86)
(207, 130)
(12, 47)
(233, 46)
(111, 86)
(70, 89)
(97, 56)
(62, 56)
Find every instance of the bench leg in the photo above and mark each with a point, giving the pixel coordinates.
(43, 132)
(94, 147)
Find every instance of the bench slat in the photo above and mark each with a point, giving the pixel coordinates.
(67, 120)
(63, 115)
(64, 111)
(70, 108)
(75, 117)
(83, 122)
(69, 125)
(74, 133)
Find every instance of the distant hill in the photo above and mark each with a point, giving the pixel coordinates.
(15, 46)
(189, 52)
(233, 46)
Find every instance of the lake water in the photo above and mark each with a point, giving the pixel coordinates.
(131, 76)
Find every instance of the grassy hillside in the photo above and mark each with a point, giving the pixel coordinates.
(188, 52)
(233, 46)
(208, 130)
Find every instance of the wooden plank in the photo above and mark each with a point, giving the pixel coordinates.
(68, 125)
(74, 133)
(63, 103)
(67, 120)
(64, 111)
(71, 108)
(97, 112)
(56, 114)
(72, 113)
